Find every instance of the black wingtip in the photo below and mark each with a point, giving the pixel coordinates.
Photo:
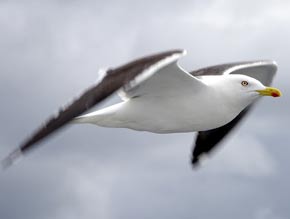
(195, 162)
(11, 159)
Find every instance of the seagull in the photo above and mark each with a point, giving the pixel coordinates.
(161, 97)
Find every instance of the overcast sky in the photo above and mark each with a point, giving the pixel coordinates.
(51, 50)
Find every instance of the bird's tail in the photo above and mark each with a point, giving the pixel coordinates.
(93, 118)
(106, 117)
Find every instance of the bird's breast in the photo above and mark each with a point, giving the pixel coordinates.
(173, 115)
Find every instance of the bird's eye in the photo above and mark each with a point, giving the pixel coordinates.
(244, 83)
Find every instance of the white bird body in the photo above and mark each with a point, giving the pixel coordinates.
(206, 103)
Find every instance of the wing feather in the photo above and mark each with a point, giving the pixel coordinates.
(166, 77)
(128, 75)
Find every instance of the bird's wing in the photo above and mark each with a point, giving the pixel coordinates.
(263, 71)
(128, 76)
(166, 78)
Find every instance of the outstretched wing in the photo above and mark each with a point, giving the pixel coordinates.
(263, 71)
(127, 76)
(167, 78)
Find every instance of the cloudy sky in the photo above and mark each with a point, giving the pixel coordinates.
(51, 50)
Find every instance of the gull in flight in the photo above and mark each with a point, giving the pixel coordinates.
(161, 97)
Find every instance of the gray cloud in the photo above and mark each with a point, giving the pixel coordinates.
(51, 50)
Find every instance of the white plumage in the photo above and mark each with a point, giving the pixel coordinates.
(159, 96)
(172, 100)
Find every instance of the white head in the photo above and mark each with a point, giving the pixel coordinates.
(240, 90)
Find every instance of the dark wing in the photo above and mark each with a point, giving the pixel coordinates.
(263, 71)
(112, 81)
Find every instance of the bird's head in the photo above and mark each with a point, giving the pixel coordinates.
(242, 90)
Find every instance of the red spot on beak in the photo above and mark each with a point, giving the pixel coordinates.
(273, 94)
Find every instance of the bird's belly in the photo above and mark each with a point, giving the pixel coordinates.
(175, 124)
(168, 117)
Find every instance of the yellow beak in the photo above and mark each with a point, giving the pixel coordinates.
(270, 91)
